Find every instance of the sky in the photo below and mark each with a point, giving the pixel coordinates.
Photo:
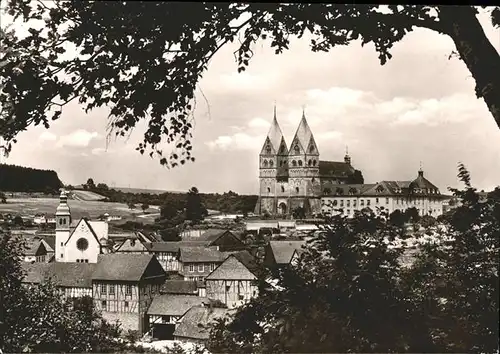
(417, 110)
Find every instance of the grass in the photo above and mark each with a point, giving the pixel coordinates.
(28, 207)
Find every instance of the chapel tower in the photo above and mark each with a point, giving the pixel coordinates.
(273, 172)
(63, 223)
(305, 186)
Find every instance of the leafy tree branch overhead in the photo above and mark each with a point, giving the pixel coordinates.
(143, 60)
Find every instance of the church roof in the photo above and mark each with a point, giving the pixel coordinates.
(335, 169)
(303, 133)
(274, 136)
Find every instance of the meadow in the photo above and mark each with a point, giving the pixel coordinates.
(29, 207)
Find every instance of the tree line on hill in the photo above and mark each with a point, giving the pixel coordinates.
(26, 179)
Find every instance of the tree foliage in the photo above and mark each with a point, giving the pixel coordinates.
(143, 60)
(195, 210)
(25, 179)
(354, 290)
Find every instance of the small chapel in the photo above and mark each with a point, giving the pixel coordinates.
(79, 241)
(293, 176)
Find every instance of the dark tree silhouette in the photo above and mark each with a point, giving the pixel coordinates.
(195, 211)
(24, 179)
(144, 60)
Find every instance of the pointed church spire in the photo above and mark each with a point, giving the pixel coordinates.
(274, 138)
(303, 135)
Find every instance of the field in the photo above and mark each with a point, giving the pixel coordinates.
(28, 207)
(87, 196)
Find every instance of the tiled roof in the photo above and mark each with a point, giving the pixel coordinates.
(196, 322)
(132, 245)
(174, 305)
(422, 182)
(334, 169)
(77, 275)
(283, 250)
(173, 247)
(231, 269)
(124, 266)
(51, 242)
(200, 255)
(348, 189)
(179, 287)
(247, 259)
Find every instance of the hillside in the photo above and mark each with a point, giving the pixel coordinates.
(26, 179)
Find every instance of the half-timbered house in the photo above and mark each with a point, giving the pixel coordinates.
(124, 286)
(166, 311)
(73, 280)
(194, 326)
(232, 283)
(167, 254)
(198, 262)
(223, 240)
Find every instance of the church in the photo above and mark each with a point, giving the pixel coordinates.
(292, 177)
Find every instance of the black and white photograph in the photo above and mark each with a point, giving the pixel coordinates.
(215, 177)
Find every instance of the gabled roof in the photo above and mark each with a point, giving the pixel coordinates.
(274, 137)
(179, 287)
(87, 223)
(50, 243)
(174, 305)
(231, 269)
(303, 135)
(246, 258)
(196, 322)
(63, 274)
(127, 267)
(335, 169)
(200, 255)
(283, 250)
(132, 245)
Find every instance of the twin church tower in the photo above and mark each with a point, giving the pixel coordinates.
(292, 177)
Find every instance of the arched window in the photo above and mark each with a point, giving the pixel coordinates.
(309, 162)
(265, 163)
(297, 189)
(271, 163)
(311, 148)
(294, 163)
(296, 149)
(314, 162)
(313, 179)
(300, 162)
(268, 149)
(282, 189)
(268, 189)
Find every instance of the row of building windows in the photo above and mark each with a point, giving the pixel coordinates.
(104, 289)
(377, 201)
(296, 149)
(295, 163)
(81, 260)
(202, 267)
(104, 305)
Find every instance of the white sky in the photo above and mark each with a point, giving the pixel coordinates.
(420, 106)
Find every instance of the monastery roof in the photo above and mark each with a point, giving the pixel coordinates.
(231, 269)
(174, 305)
(179, 287)
(200, 255)
(335, 169)
(74, 275)
(283, 250)
(126, 267)
(195, 323)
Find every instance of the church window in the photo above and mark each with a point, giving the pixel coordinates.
(125, 304)
(82, 244)
(268, 149)
(281, 163)
(271, 163)
(309, 162)
(103, 304)
(282, 189)
(297, 189)
(268, 190)
(314, 162)
(311, 149)
(282, 149)
(296, 149)
(312, 180)
(265, 163)
(300, 162)
(294, 163)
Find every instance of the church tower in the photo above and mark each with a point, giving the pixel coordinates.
(273, 172)
(305, 186)
(63, 222)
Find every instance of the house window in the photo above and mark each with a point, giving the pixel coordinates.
(362, 202)
(103, 289)
(354, 203)
(335, 203)
(386, 200)
(240, 297)
(111, 289)
(191, 268)
(103, 304)
(128, 290)
(376, 200)
(125, 304)
(200, 268)
(368, 202)
(62, 256)
(348, 211)
(342, 202)
(348, 203)
(228, 287)
(212, 267)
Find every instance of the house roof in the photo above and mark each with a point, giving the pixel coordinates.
(174, 305)
(200, 255)
(283, 250)
(126, 267)
(50, 241)
(132, 245)
(231, 269)
(63, 274)
(171, 247)
(195, 323)
(334, 169)
(349, 189)
(179, 287)
(246, 258)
